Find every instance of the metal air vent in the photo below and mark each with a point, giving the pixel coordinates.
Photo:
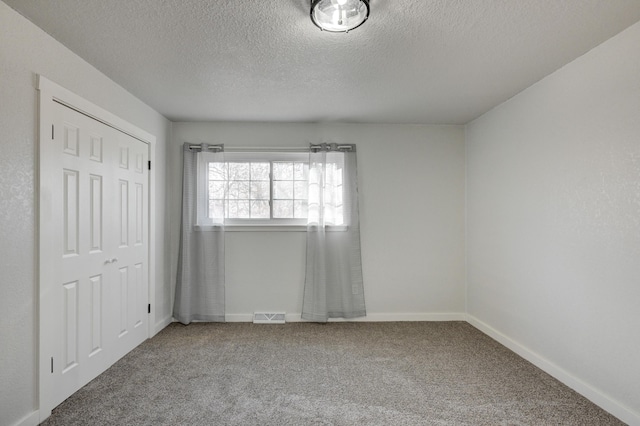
(268, 317)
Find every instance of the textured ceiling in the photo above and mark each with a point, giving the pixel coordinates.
(413, 61)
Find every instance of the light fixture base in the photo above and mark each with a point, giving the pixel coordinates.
(339, 16)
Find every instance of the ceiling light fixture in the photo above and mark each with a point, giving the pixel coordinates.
(339, 16)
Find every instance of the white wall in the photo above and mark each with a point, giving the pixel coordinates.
(553, 217)
(25, 51)
(411, 186)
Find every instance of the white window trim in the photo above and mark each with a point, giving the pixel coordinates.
(244, 225)
(264, 228)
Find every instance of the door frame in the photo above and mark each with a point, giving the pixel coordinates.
(50, 94)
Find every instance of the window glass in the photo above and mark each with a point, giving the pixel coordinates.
(248, 187)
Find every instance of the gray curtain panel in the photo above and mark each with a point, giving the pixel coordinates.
(200, 279)
(333, 283)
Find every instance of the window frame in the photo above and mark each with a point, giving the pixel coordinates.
(248, 224)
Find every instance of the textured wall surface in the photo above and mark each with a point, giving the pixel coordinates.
(411, 187)
(553, 216)
(25, 51)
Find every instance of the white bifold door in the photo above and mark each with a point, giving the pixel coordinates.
(98, 288)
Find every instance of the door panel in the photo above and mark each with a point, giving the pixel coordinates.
(132, 252)
(95, 213)
(70, 211)
(96, 300)
(123, 296)
(70, 315)
(101, 206)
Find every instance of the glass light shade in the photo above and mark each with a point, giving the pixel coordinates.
(339, 15)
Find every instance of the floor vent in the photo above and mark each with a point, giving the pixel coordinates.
(268, 317)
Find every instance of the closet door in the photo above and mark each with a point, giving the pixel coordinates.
(99, 285)
(130, 250)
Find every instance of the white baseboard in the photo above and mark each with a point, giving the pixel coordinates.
(594, 395)
(32, 419)
(238, 317)
(375, 317)
(394, 317)
(160, 325)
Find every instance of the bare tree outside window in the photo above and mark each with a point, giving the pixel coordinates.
(290, 189)
(258, 189)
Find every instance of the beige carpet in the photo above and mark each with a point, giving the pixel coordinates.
(406, 373)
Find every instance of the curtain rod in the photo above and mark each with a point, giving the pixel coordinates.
(339, 147)
(219, 147)
(280, 149)
(207, 147)
(267, 149)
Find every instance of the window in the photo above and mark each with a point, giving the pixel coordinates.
(254, 188)
(326, 193)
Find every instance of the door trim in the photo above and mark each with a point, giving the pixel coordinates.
(51, 93)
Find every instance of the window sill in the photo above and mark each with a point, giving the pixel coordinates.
(250, 228)
(263, 228)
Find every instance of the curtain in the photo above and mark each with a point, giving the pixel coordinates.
(333, 285)
(200, 278)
